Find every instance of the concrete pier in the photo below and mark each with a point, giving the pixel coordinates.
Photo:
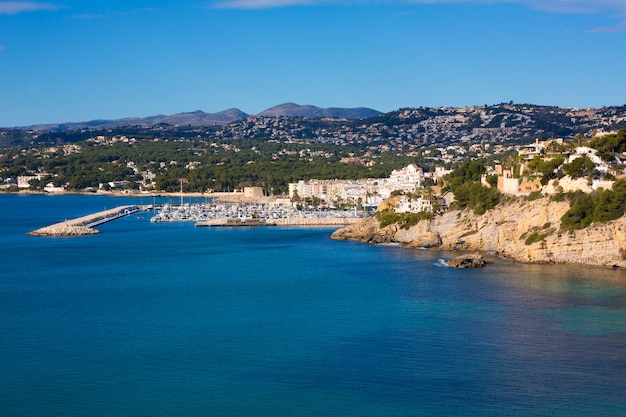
(83, 226)
(291, 221)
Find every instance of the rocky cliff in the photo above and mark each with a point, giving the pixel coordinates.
(524, 231)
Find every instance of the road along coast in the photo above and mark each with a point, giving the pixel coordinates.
(523, 231)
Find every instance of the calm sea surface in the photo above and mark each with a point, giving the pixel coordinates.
(171, 320)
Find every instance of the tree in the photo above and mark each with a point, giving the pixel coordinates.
(477, 197)
(579, 167)
(556, 147)
(598, 206)
(547, 168)
(469, 192)
(610, 145)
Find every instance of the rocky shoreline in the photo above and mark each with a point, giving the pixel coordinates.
(470, 260)
(523, 231)
(63, 229)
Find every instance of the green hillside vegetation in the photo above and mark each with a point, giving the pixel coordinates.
(404, 220)
(597, 207)
(201, 164)
(610, 145)
(546, 168)
(579, 167)
(468, 191)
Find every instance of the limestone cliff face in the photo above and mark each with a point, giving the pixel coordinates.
(504, 231)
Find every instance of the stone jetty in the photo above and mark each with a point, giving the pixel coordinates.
(83, 226)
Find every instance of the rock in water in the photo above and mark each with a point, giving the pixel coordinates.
(470, 260)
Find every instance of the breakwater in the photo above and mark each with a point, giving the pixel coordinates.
(84, 226)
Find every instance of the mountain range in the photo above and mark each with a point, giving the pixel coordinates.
(200, 118)
(313, 112)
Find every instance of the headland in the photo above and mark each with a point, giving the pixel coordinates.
(522, 231)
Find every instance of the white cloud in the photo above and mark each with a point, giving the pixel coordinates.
(16, 7)
(620, 27)
(567, 6)
(556, 6)
(577, 6)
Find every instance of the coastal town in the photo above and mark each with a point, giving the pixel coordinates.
(550, 167)
(313, 208)
(269, 171)
(272, 152)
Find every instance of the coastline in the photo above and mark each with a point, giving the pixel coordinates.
(506, 232)
(112, 194)
(502, 232)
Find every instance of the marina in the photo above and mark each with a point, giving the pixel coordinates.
(245, 214)
(206, 215)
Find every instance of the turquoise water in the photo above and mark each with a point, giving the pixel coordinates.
(171, 320)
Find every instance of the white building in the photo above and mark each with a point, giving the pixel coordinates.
(370, 191)
(51, 188)
(407, 178)
(23, 181)
(530, 151)
(414, 205)
(600, 164)
(308, 189)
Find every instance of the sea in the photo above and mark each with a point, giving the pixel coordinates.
(166, 319)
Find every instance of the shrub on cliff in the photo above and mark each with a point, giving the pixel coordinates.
(598, 206)
(475, 196)
(535, 237)
(579, 167)
(405, 220)
(547, 168)
(467, 172)
(464, 183)
(610, 145)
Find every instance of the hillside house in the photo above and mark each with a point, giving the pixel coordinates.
(600, 165)
(538, 148)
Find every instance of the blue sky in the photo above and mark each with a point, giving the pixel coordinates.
(71, 60)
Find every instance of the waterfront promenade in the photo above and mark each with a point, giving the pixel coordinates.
(83, 226)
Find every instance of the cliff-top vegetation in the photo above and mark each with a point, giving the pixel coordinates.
(599, 206)
(469, 193)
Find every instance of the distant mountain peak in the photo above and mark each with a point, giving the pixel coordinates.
(200, 118)
(195, 118)
(295, 110)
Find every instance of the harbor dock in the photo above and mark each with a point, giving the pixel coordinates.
(206, 215)
(246, 214)
(83, 226)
